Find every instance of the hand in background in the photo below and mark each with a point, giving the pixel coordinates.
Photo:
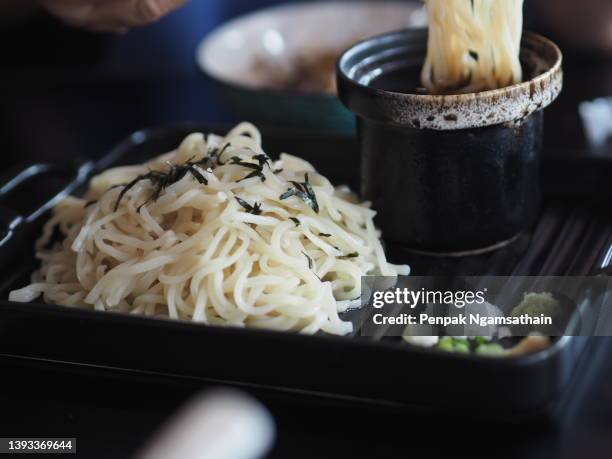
(110, 15)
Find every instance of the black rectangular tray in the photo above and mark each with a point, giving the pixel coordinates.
(572, 236)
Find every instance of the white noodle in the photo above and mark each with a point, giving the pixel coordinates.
(197, 254)
(474, 45)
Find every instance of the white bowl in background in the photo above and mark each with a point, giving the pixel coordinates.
(229, 54)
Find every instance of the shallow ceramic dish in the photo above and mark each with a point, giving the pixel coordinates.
(230, 56)
(572, 237)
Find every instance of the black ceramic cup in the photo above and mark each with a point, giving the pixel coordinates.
(448, 174)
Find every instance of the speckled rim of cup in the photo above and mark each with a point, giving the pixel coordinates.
(361, 64)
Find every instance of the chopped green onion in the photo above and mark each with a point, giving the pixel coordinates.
(490, 350)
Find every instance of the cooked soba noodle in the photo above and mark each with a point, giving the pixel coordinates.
(474, 45)
(231, 251)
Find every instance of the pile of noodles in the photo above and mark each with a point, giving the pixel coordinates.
(474, 45)
(229, 252)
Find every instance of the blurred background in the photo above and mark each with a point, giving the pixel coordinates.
(69, 92)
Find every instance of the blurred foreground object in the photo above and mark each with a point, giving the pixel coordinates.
(110, 15)
(585, 24)
(223, 424)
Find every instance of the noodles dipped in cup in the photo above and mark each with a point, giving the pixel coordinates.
(473, 45)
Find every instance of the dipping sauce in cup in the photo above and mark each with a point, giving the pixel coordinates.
(448, 174)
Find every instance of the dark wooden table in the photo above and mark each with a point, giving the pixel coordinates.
(112, 415)
(68, 94)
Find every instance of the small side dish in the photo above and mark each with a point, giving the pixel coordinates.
(500, 341)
